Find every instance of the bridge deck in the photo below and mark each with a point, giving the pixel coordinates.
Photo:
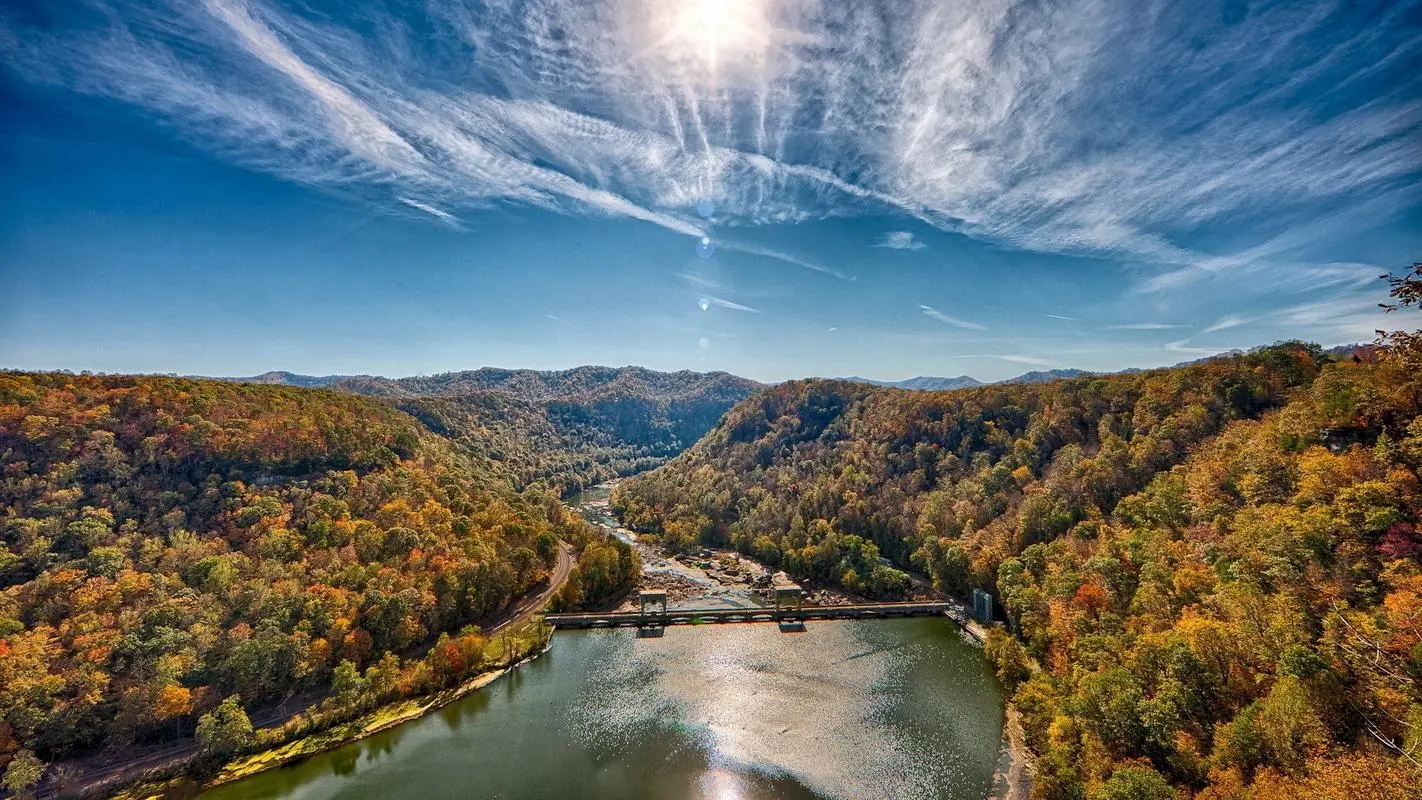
(697, 616)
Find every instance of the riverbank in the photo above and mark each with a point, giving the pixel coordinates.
(380, 719)
(1016, 767)
(102, 777)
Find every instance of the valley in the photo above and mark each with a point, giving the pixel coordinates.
(561, 430)
(1177, 555)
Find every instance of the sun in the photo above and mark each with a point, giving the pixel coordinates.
(715, 31)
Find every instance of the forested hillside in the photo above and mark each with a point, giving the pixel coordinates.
(560, 430)
(1217, 566)
(588, 381)
(168, 543)
(824, 477)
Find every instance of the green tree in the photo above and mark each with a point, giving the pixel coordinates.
(224, 730)
(1111, 706)
(1135, 783)
(1009, 656)
(23, 774)
(346, 682)
(1289, 727)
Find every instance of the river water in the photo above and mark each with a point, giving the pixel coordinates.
(900, 708)
(859, 710)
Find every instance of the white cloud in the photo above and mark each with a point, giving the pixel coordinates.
(981, 118)
(930, 311)
(1020, 359)
(788, 258)
(351, 123)
(1183, 346)
(1352, 318)
(1231, 321)
(1062, 317)
(1145, 326)
(437, 213)
(900, 240)
(720, 303)
(698, 279)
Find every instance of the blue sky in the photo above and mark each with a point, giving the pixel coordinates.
(888, 189)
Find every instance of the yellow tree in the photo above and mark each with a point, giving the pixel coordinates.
(174, 702)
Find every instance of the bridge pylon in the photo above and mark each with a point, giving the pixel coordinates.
(789, 599)
(656, 599)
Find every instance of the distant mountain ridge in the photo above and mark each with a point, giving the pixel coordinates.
(560, 429)
(934, 384)
(284, 378)
(922, 383)
(1042, 376)
(548, 384)
(527, 383)
(594, 380)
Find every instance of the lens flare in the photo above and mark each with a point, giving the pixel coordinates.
(704, 247)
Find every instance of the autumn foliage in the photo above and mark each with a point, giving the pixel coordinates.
(1214, 566)
(168, 544)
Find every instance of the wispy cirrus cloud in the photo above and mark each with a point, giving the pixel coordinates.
(718, 302)
(900, 240)
(1231, 321)
(698, 279)
(1184, 346)
(1349, 318)
(979, 118)
(1145, 326)
(930, 311)
(437, 213)
(778, 255)
(1021, 359)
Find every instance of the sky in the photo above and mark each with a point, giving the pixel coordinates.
(775, 188)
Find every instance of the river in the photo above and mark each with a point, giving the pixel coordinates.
(859, 709)
(903, 708)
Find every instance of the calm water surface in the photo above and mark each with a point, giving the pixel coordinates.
(856, 709)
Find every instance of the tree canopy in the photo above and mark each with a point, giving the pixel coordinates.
(173, 551)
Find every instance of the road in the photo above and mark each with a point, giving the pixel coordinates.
(521, 613)
(89, 774)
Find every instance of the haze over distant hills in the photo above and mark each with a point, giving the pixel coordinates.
(554, 384)
(935, 384)
(930, 383)
(922, 382)
(284, 378)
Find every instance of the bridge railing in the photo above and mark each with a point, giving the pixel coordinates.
(768, 613)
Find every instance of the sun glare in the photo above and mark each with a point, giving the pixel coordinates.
(715, 31)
